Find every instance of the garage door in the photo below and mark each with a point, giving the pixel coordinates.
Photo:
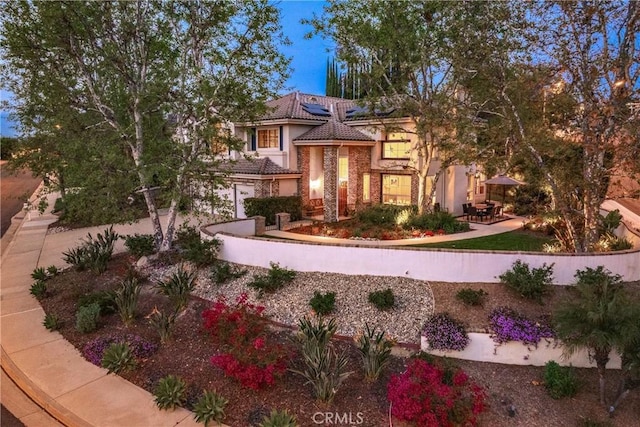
(241, 192)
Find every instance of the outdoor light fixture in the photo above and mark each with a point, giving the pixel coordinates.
(314, 184)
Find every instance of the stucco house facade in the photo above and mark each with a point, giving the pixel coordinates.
(338, 158)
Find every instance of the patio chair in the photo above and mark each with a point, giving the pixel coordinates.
(490, 212)
(465, 209)
(472, 211)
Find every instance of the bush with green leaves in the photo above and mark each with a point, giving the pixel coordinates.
(140, 244)
(375, 350)
(471, 297)
(194, 249)
(323, 304)
(126, 299)
(52, 322)
(52, 271)
(323, 367)
(222, 272)
(170, 392)
(268, 207)
(87, 318)
(178, 287)
(560, 381)
(163, 323)
(210, 407)
(530, 283)
(118, 357)
(93, 253)
(437, 221)
(384, 215)
(275, 279)
(38, 289)
(105, 299)
(383, 300)
(279, 419)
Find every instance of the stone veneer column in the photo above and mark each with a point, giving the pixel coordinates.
(303, 155)
(260, 223)
(330, 184)
(359, 164)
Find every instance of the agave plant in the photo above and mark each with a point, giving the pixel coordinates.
(178, 287)
(210, 407)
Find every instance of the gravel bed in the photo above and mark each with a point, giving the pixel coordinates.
(413, 299)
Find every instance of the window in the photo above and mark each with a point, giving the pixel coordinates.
(366, 187)
(396, 189)
(397, 146)
(268, 138)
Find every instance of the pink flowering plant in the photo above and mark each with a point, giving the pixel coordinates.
(508, 325)
(443, 332)
(428, 395)
(247, 353)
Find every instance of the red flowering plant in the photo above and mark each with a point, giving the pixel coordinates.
(247, 353)
(431, 396)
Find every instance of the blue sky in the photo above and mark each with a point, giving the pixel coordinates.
(309, 57)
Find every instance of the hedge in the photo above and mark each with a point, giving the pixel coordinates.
(268, 207)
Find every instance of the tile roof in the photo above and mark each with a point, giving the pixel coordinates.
(259, 166)
(290, 107)
(333, 131)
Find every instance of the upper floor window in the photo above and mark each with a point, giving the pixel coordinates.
(397, 146)
(268, 138)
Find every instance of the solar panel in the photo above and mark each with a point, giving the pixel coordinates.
(316, 109)
(357, 111)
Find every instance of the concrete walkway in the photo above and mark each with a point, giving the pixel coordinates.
(43, 364)
(477, 230)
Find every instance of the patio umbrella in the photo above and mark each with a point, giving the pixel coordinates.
(503, 181)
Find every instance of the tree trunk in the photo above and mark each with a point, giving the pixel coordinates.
(602, 358)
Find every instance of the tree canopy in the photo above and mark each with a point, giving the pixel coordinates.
(128, 96)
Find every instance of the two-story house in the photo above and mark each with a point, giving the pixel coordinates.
(338, 158)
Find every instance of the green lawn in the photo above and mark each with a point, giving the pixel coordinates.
(517, 240)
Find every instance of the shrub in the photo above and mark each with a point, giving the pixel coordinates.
(94, 350)
(87, 318)
(162, 323)
(210, 407)
(471, 296)
(246, 353)
(105, 299)
(170, 392)
(429, 396)
(126, 300)
(222, 272)
(383, 215)
(118, 357)
(140, 244)
(323, 368)
(275, 279)
(52, 322)
(375, 351)
(268, 207)
(383, 300)
(279, 419)
(194, 249)
(531, 284)
(560, 381)
(323, 304)
(443, 332)
(38, 289)
(39, 274)
(178, 287)
(93, 253)
(611, 242)
(507, 325)
(437, 221)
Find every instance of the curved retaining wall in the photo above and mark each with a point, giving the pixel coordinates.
(482, 348)
(417, 263)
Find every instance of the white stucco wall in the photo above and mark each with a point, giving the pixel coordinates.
(482, 348)
(422, 264)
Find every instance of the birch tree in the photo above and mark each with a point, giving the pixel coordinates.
(162, 79)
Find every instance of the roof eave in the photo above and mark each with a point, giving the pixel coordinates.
(263, 177)
(332, 142)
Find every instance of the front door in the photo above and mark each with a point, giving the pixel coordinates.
(342, 199)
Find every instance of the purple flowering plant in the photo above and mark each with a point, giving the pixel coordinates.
(445, 333)
(508, 325)
(94, 349)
